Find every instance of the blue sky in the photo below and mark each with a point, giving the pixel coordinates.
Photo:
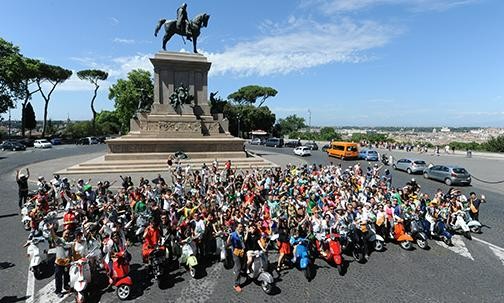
(350, 62)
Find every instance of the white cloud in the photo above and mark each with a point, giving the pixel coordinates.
(300, 44)
(114, 21)
(337, 6)
(74, 84)
(124, 41)
(118, 67)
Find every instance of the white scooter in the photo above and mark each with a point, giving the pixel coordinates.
(461, 225)
(259, 270)
(222, 250)
(38, 251)
(375, 238)
(473, 225)
(80, 276)
(188, 258)
(25, 212)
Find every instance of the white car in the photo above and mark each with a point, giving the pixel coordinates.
(302, 151)
(42, 144)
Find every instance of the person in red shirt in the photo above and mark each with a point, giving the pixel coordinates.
(152, 236)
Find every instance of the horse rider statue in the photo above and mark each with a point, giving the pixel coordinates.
(183, 22)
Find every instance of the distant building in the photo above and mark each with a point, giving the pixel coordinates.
(445, 130)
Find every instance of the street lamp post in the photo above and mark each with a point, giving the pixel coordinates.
(238, 117)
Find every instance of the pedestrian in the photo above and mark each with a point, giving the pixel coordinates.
(62, 263)
(238, 248)
(474, 204)
(22, 181)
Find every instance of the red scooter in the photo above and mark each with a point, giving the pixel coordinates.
(120, 277)
(331, 250)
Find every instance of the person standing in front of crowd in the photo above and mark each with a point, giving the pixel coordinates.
(238, 247)
(62, 263)
(474, 204)
(22, 181)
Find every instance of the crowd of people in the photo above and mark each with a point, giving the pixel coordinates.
(248, 206)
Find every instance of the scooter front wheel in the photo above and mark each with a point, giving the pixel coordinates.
(422, 243)
(406, 245)
(123, 292)
(447, 241)
(467, 234)
(378, 245)
(475, 229)
(358, 256)
(267, 287)
(307, 273)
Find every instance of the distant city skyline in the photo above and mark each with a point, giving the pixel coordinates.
(370, 63)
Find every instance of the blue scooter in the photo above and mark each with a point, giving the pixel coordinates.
(441, 232)
(303, 261)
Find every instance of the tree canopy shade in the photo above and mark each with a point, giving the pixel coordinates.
(11, 81)
(54, 75)
(250, 94)
(127, 93)
(250, 118)
(93, 76)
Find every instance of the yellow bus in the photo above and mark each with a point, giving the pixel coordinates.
(343, 150)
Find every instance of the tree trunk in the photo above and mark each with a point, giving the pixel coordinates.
(23, 118)
(44, 127)
(93, 109)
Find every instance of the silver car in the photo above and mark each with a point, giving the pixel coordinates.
(449, 174)
(411, 166)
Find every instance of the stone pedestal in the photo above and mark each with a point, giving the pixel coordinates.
(162, 129)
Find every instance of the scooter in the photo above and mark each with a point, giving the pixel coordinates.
(416, 229)
(188, 258)
(374, 238)
(120, 277)
(352, 240)
(25, 212)
(223, 252)
(80, 278)
(260, 272)
(303, 261)
(38, 251)
(385, 159)
(157, 262)
(461, 225)
(401, 236)
(473, 225)
(331, 251)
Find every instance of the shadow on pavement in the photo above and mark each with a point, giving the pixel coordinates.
(5, 265)
(12, 299)
(8, 215)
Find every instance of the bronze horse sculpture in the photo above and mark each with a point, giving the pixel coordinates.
(171, 29)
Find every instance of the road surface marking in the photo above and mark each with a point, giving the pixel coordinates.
(458, 247)
(46, 294)
(489, 244)
(30, 286)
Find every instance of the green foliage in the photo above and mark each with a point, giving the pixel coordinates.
(29, 120)
(128, 93)
(328, 134)
(291, 124)
(495, 144)
(11, 81)
(466, 145)
(250, 118)
(108, 122)
(250, 94)
(371, 137)
(79, 129)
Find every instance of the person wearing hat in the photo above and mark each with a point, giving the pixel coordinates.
(22, 181)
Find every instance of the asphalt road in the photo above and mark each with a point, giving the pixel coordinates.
(470, 271)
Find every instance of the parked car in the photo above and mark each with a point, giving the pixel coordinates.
(275, 142)
(255, 141)
(449, 174)
(325, 147)
(27, 142)
(82, 141)
(293, 143)
(302, 151)
(411, 166)
(56, 141)
(12, 145)
(42, 143)
(368, 154)
(312, 145)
